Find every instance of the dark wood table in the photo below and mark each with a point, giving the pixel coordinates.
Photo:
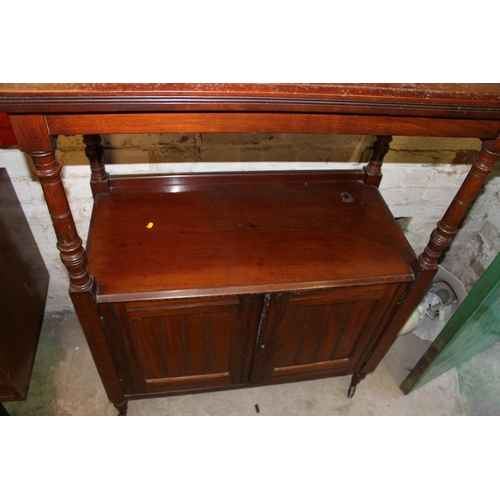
(211, 281)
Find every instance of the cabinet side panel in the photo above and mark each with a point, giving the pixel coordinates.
(376, 326)
(114, 322)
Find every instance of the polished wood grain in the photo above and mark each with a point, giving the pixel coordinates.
(226, 280)
(279, 122)
(178, 345)
(69, 243)
(99, 179)
(7, 136)
(33, 137)
(104, 357)
(429, 100)
(319, 333)
(251, 234)
(32, 133)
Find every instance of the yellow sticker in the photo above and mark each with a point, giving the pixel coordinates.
(150, 225)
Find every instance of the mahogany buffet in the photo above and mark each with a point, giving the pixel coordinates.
(221, 280)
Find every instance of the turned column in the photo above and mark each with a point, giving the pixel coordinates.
(99, 180)
(447, 227)
(425, 266)
(33, 137)
(373, 171)
(69, 244)
(82, 286)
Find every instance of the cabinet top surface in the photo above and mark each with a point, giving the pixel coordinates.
(448, 100)
(248, 233)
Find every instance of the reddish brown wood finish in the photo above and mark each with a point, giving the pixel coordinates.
(447, 227)
(322, 332)
(32, 133)
(23, 290)
(373, 171)
(405, 306)
(47, 169)
(246, 233)
(7, 136)
(104, 358)
(99, 179)
(473, 101)
(279, 122)
(212, 240)
(33, 137)
(255, 278)
(179, 345)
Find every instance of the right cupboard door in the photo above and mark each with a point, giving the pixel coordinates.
(323, 332)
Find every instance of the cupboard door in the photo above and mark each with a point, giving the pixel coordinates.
(185, 344)
(325, 332)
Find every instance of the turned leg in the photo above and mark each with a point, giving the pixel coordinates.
(373, 171)
(69, 243)
(122, 408)
(34, 138)
(447, 227)
(426, 265)
(99, 180)
(356, 379)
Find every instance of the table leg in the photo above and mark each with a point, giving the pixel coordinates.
(355, 380)
(373, 171)
(447, 227)
(99, 180)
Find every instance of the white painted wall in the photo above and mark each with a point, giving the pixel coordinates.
(421, 176)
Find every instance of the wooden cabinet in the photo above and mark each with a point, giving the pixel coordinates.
(200, 282)
(226, 280)
(177, 345)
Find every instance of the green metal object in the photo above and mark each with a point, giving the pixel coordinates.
(474, 327)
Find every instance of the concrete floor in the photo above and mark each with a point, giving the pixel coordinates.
(65, 382)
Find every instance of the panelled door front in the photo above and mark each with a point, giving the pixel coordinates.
(185, 344)
(323, 332)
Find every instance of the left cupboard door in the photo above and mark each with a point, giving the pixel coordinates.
(179, 345)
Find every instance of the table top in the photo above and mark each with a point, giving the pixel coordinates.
(471, 101)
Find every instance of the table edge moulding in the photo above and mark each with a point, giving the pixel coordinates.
(210, 281)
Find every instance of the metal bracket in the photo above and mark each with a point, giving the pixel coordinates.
(346, 197)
